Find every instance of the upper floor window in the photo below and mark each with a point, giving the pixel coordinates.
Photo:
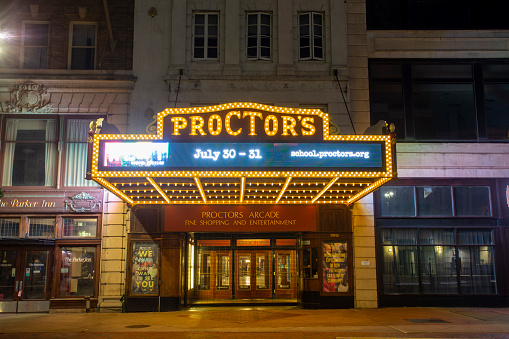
(206, 36)
(30, 152)
(83, 46)
(441, 100)
(31, 155)
(35, 45)
(436, 14)
(258, 36)
(435, 201)
(311, 36)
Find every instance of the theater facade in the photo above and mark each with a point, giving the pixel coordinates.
(242, 203)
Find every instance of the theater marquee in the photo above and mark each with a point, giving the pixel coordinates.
(241, 153)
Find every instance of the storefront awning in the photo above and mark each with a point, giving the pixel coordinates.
(241, 153)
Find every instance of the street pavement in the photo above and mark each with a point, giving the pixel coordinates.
(264, 322)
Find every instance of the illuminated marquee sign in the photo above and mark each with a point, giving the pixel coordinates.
(229, 154)
(127, 155)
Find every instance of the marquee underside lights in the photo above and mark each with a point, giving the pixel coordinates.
(241, 153)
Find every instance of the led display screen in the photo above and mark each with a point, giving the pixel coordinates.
(129, 155)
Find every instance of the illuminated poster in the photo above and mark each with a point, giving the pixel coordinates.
(145, 273)
(335, 266)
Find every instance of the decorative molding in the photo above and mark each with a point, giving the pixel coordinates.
(83, 202)
(28, 97)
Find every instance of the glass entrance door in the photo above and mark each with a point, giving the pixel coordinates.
(254, 275)
(24, 277)
(214, 278)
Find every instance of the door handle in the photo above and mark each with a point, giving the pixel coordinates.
(17, 284)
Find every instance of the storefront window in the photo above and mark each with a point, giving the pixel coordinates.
(77, 227)
(41, 228)
(145, 269)
(9, 228)
(77, 271)
(447, 261)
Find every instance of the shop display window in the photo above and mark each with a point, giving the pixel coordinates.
(77, 271)
(9, 227)
(41, 227)
(79, 227)
(438, 261)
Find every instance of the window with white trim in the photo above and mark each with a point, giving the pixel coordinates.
(205, 36)
(35, 45)
(259, 36)
(83, 46)
(311, 36)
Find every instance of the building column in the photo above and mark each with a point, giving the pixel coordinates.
(365, 286)
(285, 38)
(231, 41)
(113, 253)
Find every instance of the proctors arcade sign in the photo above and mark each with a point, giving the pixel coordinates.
(241, 153)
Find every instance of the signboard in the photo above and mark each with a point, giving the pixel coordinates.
(146, 155)
(60, 202)
(245, 218)
(145, 268)
(243, 146)
(335, 266)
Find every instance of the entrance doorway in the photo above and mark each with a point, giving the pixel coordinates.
(24, 278)
(249, 275)
(254, 273)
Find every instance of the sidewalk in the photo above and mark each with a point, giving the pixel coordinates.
(264, 322)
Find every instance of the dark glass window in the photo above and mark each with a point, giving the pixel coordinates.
(472, 200)
(436, 14)
(397, 201)
(434, 201)
(438, 261)
(83, 46)
(35, 45)
(206, 36)
(311, 36)
(444, 101)
(258, 36)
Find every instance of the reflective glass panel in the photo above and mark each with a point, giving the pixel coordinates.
(244, 272)
(396, 201)
(77, 271)
(7, 274)
(34, 286)
(400, 270)
(438, 270)
(262, 271)
(477, 270)
(434, 201)
(223, 272)
(472, 201)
